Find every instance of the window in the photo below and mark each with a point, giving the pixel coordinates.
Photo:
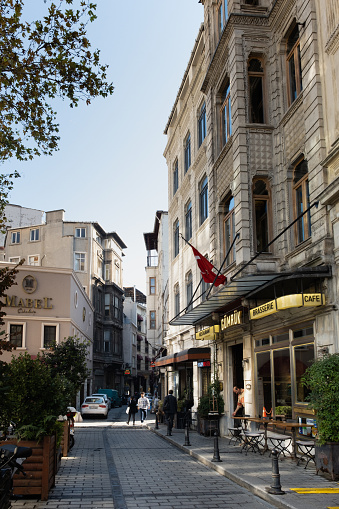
(107, 341)
(34, 260)
(50, 336)
(16, 335)
(107, 304)
(175, 177)
(80, 232)
(107, 272)
(256, 91)
(176, 300)
(261, 215)
(187, 151)
(189, 290)
(16, 259)
(303, 357)
(202, 124)
(152, 319)
(222, 15)
(34, 235)
(302, 228)
(204, 287)
(79, 262)
(225, 115)
(188, 221)
(229, 230)
(15, 238)
(203, 200)
(152, 285)
(294, 74)
(176, 238)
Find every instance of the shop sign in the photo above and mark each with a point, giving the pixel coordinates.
(127, 372)
(28, 305)
(286, 302)
(208, 333)
(232, 319)
(204, 364)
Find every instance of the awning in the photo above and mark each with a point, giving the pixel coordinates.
(190, 355)
(242, 287)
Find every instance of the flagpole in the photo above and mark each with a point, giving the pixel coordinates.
(181, 235)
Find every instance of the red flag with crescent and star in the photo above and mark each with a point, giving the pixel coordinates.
(206, 269)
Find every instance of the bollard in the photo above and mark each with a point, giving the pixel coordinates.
(216, 455)
(187, 433)
(275, 488)
(156, 421)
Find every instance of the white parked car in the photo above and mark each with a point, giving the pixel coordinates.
(94, 405)
(106, 398)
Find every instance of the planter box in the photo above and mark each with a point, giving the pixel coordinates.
(40, 468)
(327, 459)
(65, 439)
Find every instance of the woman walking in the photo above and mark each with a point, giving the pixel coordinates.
(133, 408)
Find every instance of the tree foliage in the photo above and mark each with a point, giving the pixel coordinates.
(39, 61)
(7, 279)
(322, 378)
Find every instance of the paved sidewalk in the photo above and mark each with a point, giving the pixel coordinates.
(254, 471)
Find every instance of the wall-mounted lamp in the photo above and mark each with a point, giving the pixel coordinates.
(215, 317)
(244, 363)
(248, 387)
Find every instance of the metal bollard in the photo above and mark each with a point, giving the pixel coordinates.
(156, 421)
(216, 455)
(187, 433)
(275, 488)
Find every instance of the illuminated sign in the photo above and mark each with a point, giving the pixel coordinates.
(208, 333)
(230, 320)
(204, 364)
(286, 302)
(127, 371)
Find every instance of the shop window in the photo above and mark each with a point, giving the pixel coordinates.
(261, 200)
(280, 338)
(176, 300)
(302, 229)
(256, 91)
(225, 115)
(202, 124)
(264, 381)
(189, 290)
(282, 377)
(294, 74)
(203, 200)
(187, 152)
(205, 380)
(175, 177)
(303, 358)
(229, 230)
(188, 220)
(176, 238)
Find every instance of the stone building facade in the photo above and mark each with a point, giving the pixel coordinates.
(252, 155)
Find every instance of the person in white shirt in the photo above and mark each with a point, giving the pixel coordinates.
(143, 405)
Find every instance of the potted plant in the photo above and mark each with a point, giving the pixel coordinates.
(210, 408)
(283, 412)
(322, 379)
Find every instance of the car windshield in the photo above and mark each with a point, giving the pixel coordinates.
(94, 400)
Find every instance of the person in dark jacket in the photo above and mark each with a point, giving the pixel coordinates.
(133, 409)
(170, 409)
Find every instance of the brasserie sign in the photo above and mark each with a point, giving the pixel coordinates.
(286, 302)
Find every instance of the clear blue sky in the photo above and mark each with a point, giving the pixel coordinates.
(110, 167)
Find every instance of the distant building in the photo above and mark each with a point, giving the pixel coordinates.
(96, 258)
(18, 216)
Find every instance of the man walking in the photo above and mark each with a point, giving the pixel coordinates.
(170, 409)
(143, 405)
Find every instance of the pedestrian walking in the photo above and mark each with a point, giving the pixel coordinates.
(143, 405)
(132, 409)
(170, 409)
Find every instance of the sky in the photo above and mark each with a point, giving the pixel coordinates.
(110, 166)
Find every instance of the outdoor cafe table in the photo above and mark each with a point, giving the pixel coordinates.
(292, 426)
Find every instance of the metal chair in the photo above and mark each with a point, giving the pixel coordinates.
(307, 451)
(235, 434)
(281, 443)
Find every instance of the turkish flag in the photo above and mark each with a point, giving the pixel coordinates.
(206, 269)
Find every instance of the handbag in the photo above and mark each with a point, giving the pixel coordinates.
(127, 410)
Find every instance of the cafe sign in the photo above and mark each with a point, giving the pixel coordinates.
(234, 318)
(208, 333)
(286, 302)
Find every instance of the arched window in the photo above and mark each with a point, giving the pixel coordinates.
(261, 201)
(301, 201)
(256, 91)
(229, 230)
(294, 75)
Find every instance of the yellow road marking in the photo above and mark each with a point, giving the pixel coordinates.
(315, 490)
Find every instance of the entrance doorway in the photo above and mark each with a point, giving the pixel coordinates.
(238, 373)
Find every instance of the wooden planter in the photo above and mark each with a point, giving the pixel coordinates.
(327, 459)
(65, 439)
(208, 427)
(40, 468)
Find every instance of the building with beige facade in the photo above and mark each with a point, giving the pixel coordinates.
(47, 305)
(252, 155)
(96, 258)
